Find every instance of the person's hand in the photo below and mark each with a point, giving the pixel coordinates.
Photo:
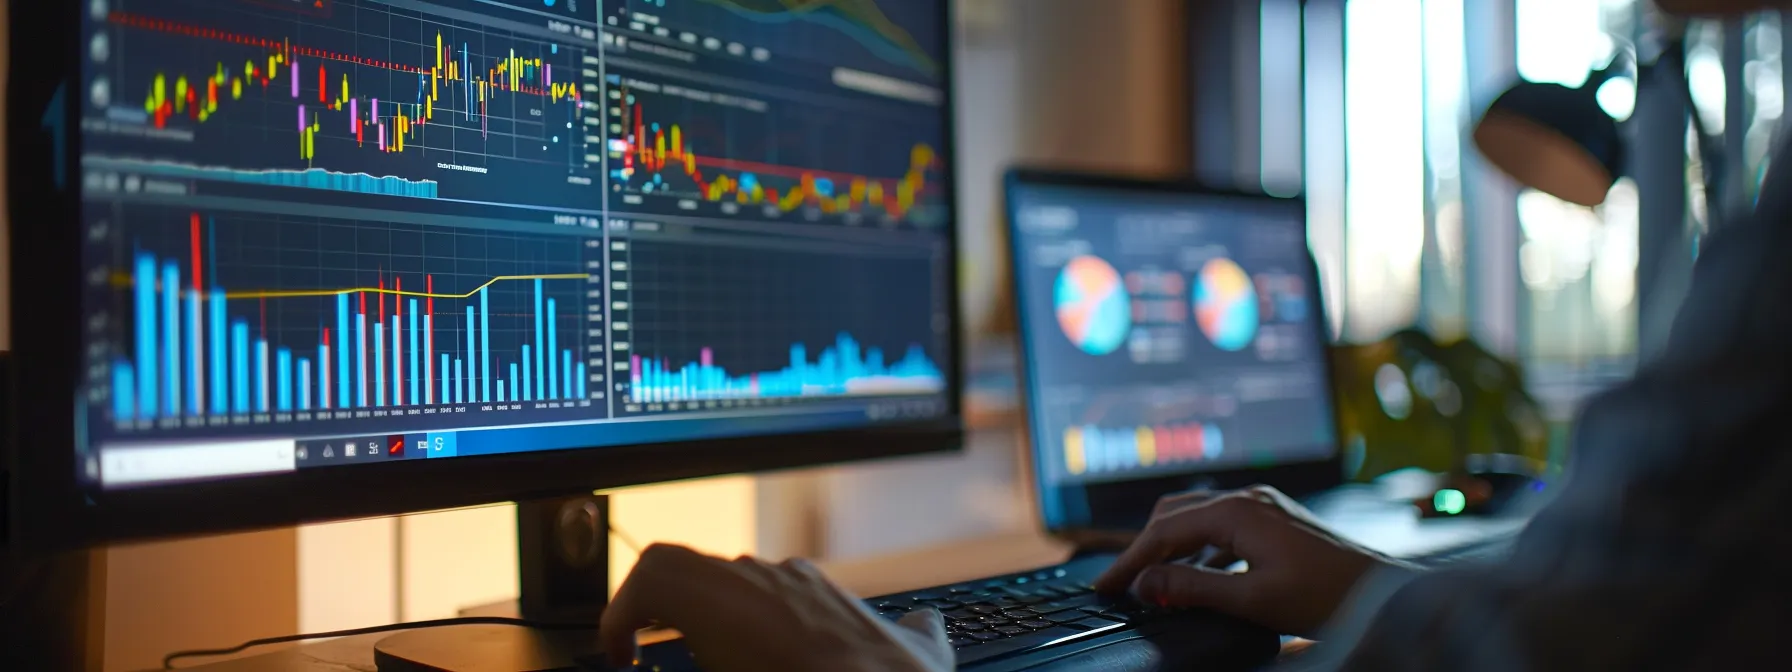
(747, 614)
(1298, 573)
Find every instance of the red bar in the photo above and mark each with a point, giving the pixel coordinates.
(361, 342)
(397, 342)
(323, 371)
(198, 334)
(322, 84)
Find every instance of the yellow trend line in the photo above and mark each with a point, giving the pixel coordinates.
(276, 294)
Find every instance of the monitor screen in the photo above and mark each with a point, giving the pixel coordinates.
(1167, 335)
(328, 233)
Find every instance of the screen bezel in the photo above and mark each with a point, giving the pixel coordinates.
(1294, 478)
(45, 509)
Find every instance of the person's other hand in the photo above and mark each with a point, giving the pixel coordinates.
(746, 614)
(1298, 573)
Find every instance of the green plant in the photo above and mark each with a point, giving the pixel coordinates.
(1409, 401)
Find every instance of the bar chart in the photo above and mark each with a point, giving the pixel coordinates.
(736, 321)
(841, 370)
(447, 318)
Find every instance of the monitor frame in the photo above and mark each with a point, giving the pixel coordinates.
(42, 507)
(1294, 478)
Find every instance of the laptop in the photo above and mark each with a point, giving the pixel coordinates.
(1173, 338)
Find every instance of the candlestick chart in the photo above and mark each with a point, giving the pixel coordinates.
(370, 98)
(744, 156)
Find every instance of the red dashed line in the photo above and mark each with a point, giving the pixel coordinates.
(147, 23)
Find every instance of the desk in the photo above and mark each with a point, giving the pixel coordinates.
(1355, 514)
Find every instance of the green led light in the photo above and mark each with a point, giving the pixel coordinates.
(1449, 501)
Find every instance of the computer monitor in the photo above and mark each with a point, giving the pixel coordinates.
(289, 260)
(1173, 338)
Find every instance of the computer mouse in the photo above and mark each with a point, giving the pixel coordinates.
(1479, 494)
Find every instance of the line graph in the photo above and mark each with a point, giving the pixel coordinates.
(692, 146)
(862, 20)
(896, 37)
(422, 106)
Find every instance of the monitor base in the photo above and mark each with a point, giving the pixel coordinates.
(563, 558)
(487, 648)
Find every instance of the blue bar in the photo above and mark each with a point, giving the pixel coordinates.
(513, 396)
(459, 390)
(379, 363)
(540, 370)
(171, 344)
(468, 355)
(361, 360)
(397, 356)
(261, 375)
(342, 350)
(447, 389)
(194, 385)
(429, 333)
(578, 389)
(416, 398)
(553, 347)
(124, 391)
(283, 380)
(220, 390)
(304, 384)
(528, 387)
(485, 347)
(566, 380)
(146, 336)
(239, 367)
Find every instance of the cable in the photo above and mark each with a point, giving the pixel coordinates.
(624, 538)
(168, 660)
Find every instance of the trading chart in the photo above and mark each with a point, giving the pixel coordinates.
(350, 95)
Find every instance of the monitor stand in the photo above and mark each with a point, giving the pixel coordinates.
(563, 557)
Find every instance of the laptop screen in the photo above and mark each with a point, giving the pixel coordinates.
(1168, 336)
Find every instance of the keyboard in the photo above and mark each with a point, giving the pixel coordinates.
(1022, 620)
(1051, 619)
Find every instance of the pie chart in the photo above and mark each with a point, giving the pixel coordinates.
(1093, 308)
(1226, 305)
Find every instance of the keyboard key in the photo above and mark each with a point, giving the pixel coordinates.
(1115, 616)
(1012, 630)
(957, 615)
(982, 609)
(961, 642)
(1020, 614)
(1011, 645)
(891, 606)
(997, 621)
(985, 636)
(1094, 609)
(1036, 625)
(972, 627)
(1008, 604)
(1066, 616)
(1021, 579)
(1059, 573)
(1042, 576)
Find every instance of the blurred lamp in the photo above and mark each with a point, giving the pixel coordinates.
(1555, 139)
